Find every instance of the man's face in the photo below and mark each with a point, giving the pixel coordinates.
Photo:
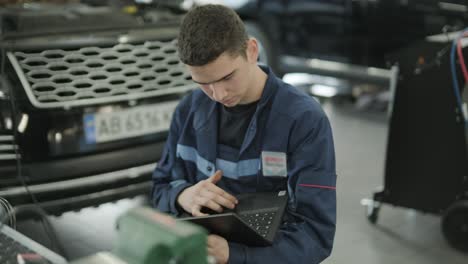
(225, 80)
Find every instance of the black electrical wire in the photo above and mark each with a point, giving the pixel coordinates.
(38, 209)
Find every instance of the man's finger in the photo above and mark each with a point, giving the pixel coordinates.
(211, 251)
(207, 202)
(219, 191)
(224, 202)
(216, 177)
(196, 211)
(219, 199)
(211, 241)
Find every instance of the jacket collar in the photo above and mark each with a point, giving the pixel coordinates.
(206, 115)
(271, 86)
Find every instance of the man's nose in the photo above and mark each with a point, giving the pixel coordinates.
(219, 93)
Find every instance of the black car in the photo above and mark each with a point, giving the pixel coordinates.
(86, 100)
(343, 38)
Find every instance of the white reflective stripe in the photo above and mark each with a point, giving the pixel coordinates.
(191, 154)
(239, 169)
(233, 170)
(176, 183)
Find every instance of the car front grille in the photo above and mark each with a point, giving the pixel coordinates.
(94, 75)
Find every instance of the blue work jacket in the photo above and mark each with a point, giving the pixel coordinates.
(286, 122)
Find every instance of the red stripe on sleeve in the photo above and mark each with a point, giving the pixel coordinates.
(318, 186)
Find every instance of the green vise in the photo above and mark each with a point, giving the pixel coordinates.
(146, 236)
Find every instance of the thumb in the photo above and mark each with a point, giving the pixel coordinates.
(216, 177)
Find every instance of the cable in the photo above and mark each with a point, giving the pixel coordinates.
(461, 59)
(8, 211)
(454, 75)
(15, 132)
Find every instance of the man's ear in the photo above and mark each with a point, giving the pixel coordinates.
(252, 50)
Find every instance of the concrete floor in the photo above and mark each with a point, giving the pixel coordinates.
(400, 236)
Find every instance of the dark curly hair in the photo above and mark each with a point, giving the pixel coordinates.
(208, 31)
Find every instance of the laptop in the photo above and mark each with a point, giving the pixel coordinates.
(17, 248)
(254, 222)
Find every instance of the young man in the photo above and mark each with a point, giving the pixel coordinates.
(221, 136)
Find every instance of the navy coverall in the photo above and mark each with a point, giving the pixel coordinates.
(286, 121)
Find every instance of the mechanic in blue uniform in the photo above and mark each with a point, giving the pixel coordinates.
(246, 131)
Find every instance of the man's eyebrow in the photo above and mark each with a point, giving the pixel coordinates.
(220, 79)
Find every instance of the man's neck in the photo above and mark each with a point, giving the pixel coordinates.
(258, 85)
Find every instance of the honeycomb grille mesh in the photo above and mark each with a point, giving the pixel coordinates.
(91, 74)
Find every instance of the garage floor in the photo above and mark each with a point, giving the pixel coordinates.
(400, 236)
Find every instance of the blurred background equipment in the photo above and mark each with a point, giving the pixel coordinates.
(426, 163)
(342, 38)
(16, 247)
(146, 237)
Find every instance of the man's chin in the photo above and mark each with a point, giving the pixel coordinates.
(230, 103)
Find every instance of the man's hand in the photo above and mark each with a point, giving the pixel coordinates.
(206, 194)
(218, 248)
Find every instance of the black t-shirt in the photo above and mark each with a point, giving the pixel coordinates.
(233, 123)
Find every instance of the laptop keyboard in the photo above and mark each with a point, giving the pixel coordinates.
(260, 222)
(10, 248)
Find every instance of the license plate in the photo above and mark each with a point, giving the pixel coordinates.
(134, 122)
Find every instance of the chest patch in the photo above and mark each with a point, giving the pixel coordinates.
(274, 164)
